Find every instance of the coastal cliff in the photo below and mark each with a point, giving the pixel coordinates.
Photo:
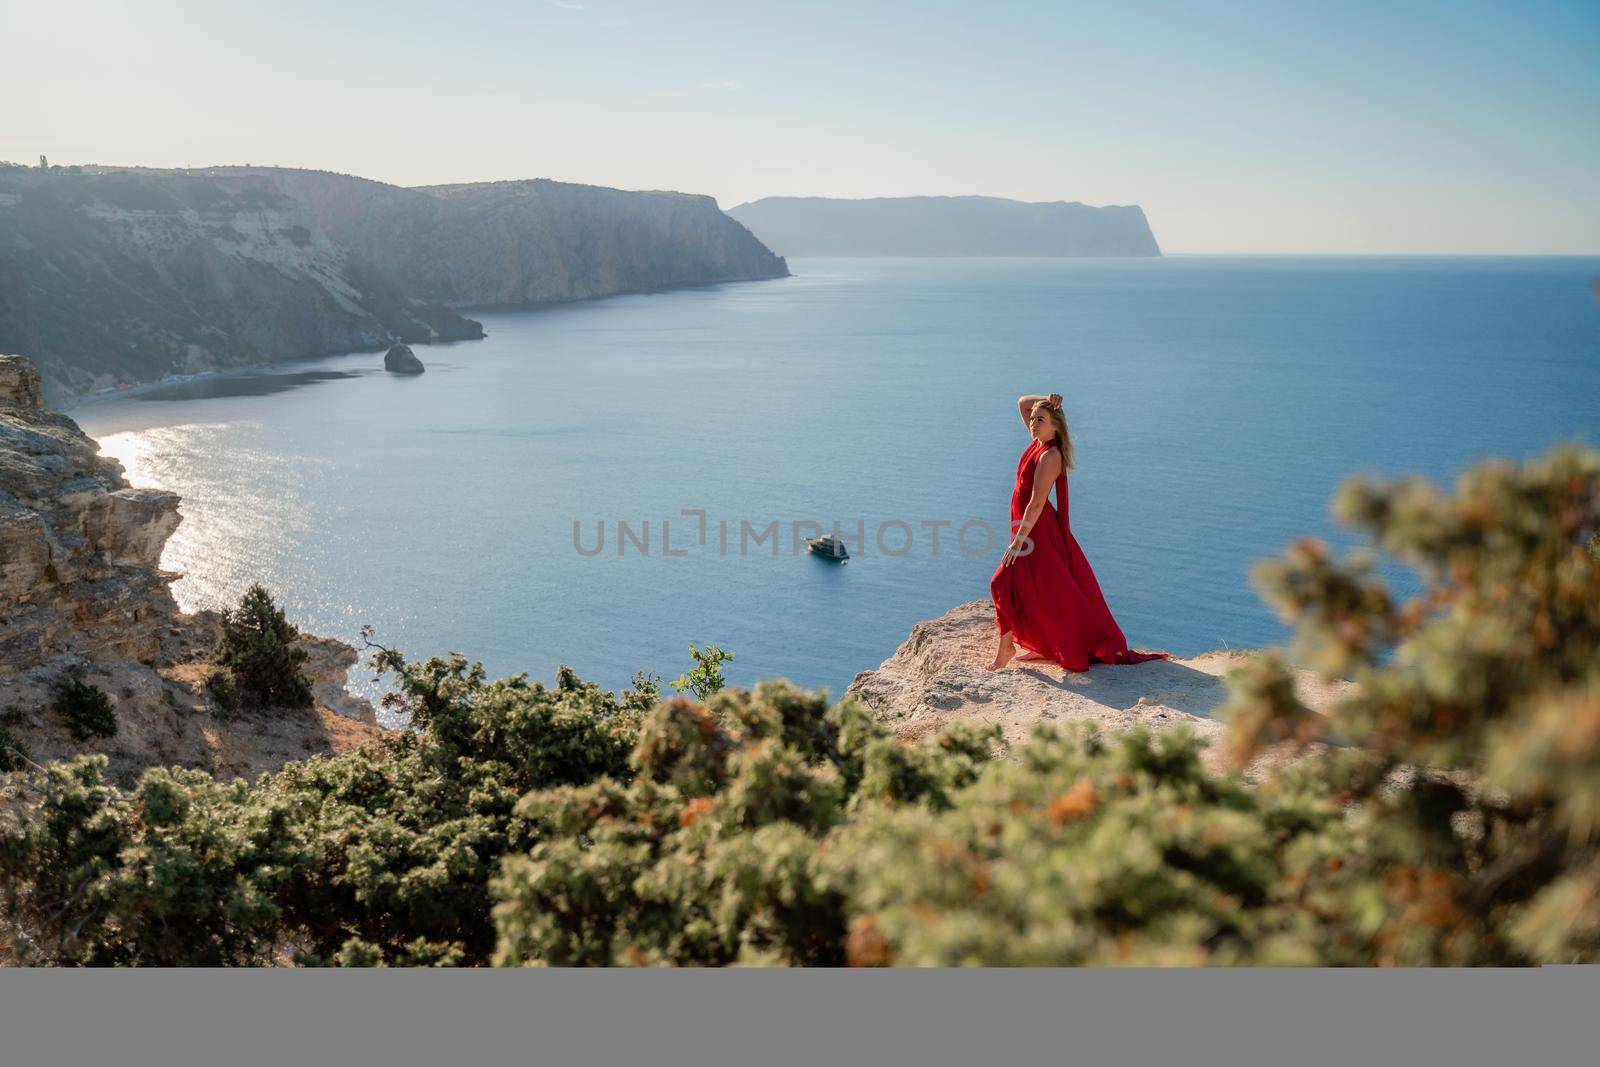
(938, 677)
(531, 242)
(82, 593)
(933, 226)
(112, 275)
(126, 276)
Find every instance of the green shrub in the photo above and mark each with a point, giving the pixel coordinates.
(14, 755)
(257, 648)
(85, 708)
(705, 677)
(393, 848)
(224, 694)
(710, 854)
(380, 855)
(643, 694)
(177, 871)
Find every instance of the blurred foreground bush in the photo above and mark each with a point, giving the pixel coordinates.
(1469, 753)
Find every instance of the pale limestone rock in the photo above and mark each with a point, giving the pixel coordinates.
(938, 677)
(131, 525)
(19, 383)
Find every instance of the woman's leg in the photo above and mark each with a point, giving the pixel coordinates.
(1003, 654)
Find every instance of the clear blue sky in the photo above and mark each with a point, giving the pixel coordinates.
(1239, 127)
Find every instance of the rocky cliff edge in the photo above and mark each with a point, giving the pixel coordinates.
(938, 676)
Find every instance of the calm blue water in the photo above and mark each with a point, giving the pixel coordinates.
(1216, 404)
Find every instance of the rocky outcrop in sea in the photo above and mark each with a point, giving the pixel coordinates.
(82, 592)
(401, 360)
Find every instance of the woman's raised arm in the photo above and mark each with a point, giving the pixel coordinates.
(1025, 405)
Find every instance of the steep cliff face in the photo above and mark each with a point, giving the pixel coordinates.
(938, 676)
(79, 549)
(945, 226)
(121, 274)
(81, 590)
(129, 275)
(531, 242)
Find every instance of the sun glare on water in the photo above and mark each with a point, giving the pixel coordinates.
(223, 539)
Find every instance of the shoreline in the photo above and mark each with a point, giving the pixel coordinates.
(75, 401)
(79, 401)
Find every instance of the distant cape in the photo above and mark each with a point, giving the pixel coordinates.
(944, 226)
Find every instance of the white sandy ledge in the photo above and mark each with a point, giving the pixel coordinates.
(938, 677)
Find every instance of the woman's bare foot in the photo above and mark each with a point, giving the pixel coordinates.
(1004, 653)
(1029, 656)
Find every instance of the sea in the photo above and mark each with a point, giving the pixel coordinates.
(603, 484)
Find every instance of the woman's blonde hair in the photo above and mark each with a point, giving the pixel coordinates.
(1058, 419)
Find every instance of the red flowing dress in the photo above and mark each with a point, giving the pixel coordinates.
(1049, 600)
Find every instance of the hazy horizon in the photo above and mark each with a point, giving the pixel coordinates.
(1239, 129)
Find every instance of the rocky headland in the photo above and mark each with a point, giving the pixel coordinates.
(125, 275)
(82, 592)
(932, 226)
(514, 243)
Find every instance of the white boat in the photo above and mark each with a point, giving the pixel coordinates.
(827, 547)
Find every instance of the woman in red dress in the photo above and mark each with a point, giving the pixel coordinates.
(1046, 599)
